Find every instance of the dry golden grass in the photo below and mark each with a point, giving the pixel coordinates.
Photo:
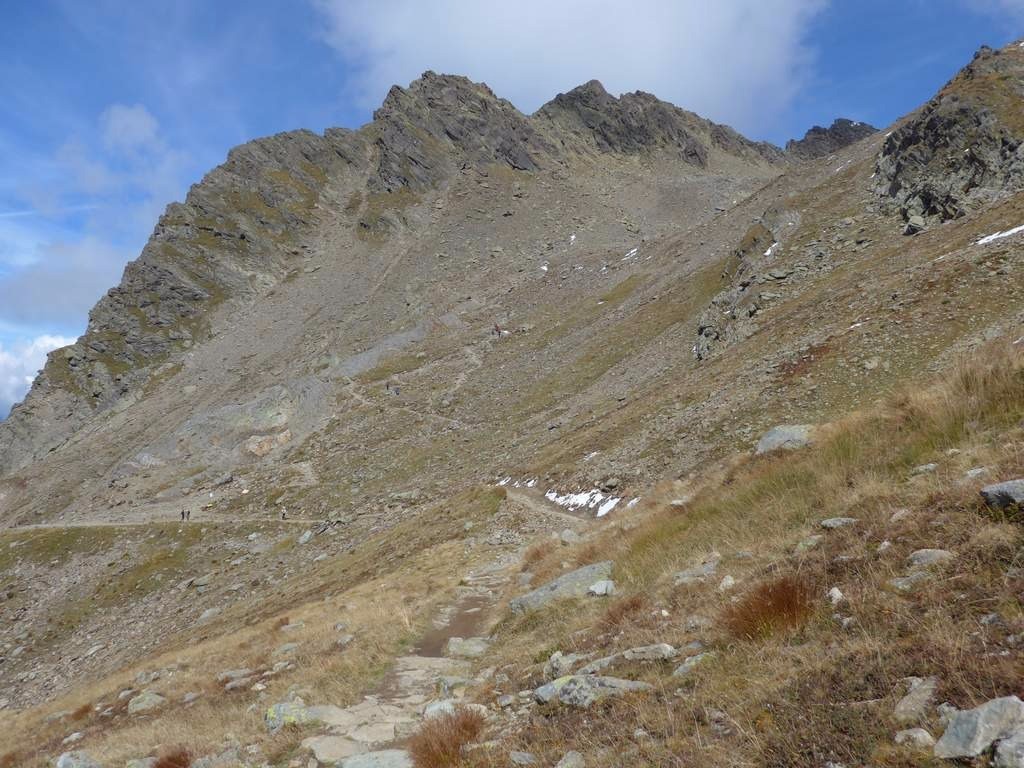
(789, 684)
(439, 741)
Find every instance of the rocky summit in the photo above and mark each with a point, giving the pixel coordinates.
(598, 436)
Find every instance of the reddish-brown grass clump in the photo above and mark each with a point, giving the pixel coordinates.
(623, 611)
(176, 757)
(81, 713)
(439, 741)
(785, 602)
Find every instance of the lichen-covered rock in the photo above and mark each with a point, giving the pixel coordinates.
(572, 584)
(583, 690)
(286, 713)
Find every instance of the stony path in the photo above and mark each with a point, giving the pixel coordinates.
(421, 684)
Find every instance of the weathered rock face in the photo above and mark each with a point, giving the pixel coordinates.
(819, 141)
(588, 119)
(964, 147)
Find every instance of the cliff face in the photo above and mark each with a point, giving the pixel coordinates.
(964, 148)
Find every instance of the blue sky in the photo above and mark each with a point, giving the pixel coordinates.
(109, 110)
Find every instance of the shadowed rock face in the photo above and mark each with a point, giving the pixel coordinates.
(964, 147)
(819, 141)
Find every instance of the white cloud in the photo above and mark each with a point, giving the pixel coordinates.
(129, 127)
(19, 364)
(740, 62)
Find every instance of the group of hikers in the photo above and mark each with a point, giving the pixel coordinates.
(186, 514)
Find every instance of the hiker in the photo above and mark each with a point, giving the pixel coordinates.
(183, 515)
(284, 514)
(188, 514)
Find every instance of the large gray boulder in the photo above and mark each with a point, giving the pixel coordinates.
(972, 731)
(1003, 495)
(583, 690)
(785, 437)
(572, 584)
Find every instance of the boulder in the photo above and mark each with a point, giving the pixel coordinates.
(1003, 495)
(785, 437)
(522, 758)
(915, 224)
(147, 701)
(657, 652)
(971, 731)
(572, 584)
(387, 758)
(583, 690)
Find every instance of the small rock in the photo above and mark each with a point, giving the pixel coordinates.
(657, 652)
(698, 573)
(74, 738)
(924, 469)
(234, 674)
(285, 713)
(913, 707)
(306, 537)
(603, 588)
(147, 701)
(915, 224)
(836, 596)
(924, 558)
(727, 583)
(915, 737)
(1003, 495)
(506, 700)
(522, 758)
(569, 537)
(785, 437)
(387, 758)
(909, 583)
(692, 663)
(571, 759)
(208, 614)
(76, 760)
(466, 648)
(344, 641)
(833, 523)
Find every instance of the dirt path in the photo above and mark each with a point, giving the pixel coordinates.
(534, 501)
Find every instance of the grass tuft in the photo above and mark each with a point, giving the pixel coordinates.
(176, 757)
(785, 602)
(440, 740)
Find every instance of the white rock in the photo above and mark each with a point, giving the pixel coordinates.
(603, 588)
(836, 596)
(915, 737)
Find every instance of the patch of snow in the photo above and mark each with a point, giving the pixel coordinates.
(999, 235)
(771, 249)
(888, 135)
(531, 483)
(632, 502)
(590, 455)
(593, 500)
(631, 254)
(505, 481)
(543, 267)
(572, 239)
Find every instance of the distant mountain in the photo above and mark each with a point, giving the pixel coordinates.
(819, 142)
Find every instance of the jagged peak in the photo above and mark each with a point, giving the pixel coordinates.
(819, 141)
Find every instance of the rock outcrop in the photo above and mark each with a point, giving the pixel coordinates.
(819, 141)
(964, 148)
